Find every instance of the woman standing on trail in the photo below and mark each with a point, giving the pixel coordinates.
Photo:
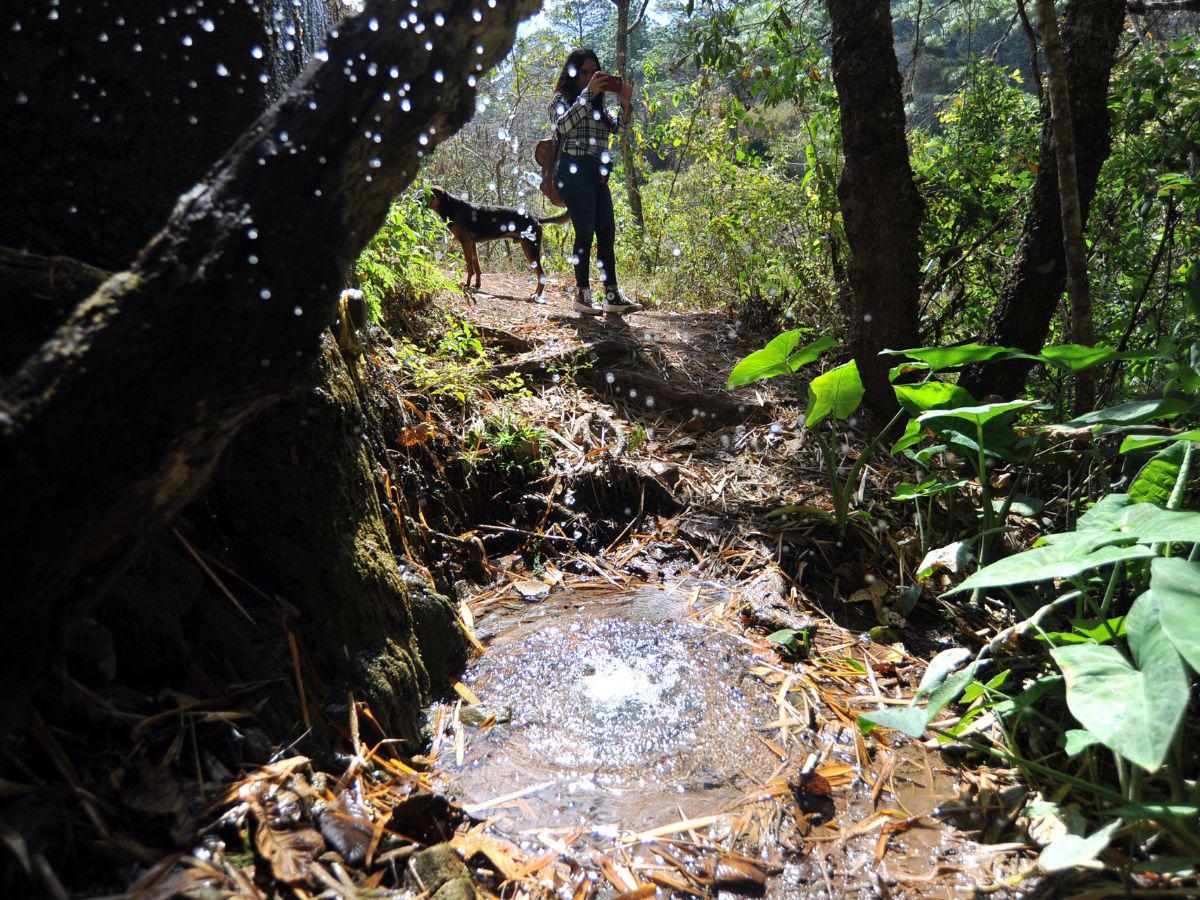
(584, 125)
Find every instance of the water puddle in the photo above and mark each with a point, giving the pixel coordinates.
(628, 713)
(639, 735)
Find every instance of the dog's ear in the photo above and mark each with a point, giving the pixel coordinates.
(436, 197)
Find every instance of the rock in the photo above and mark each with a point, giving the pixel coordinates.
(431, 869)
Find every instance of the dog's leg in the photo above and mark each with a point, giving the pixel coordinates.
(475, 264)
(533, 253)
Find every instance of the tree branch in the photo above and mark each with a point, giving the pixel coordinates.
(1139, 8)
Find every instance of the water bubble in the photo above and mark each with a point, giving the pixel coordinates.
(297, 311)
(256, 51)
(22, 98)
(222, 70)
(405, 105)
(206, 25)
(373, 24)
(438, 76)
(476, 15)
(375, 162)
(186, 40)
(479, 49)
(394, 72)
(252, 259)
(439, 20)
(252, 234)
(676, 251)
(423, 139)
(265, 293)
(283, 137)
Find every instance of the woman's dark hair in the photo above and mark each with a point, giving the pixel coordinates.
(566, 84)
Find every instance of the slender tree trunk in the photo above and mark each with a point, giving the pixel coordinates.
(631, 175)
(118, 420)
(1033, 286)
(1074, 250)
(881, 207)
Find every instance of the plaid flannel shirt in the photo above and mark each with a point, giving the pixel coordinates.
(586, 123)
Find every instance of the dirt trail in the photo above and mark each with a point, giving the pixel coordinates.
(630, 726)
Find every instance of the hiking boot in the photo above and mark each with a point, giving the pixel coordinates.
(586, 303)
(615, 301)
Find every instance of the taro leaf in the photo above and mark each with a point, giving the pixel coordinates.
(919, 398)
(1155, 481)
(1105, 515)
(1152, 524)
(1140, 441)
(1135, 712)
(949, 357)
(976, 415)
(1071, 850)
(913, 434)
(961, 425)
(1176, 583)
(1076, 740)
(838, 391)
(1076, 357)
(782, 355)
(290, 853)
(1135, 412)
(940, 686)
(1086, 631)
(1062, 559)
(939, 670)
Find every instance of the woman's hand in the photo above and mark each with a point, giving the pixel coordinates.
(598, 84)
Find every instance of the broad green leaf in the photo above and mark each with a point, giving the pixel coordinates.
(1140, 441)
(919, 398)
(1155, 481)
(1063, 559)
(1176, 584)
(909, 720)
(837, 392)
(1135, 712)
(782, 355)
(1071, 850)
(1105, 515)
(1087, 631)
(1076, 740)
(975, 415)
(1135, 412)
(1076, 357)
(960, 355)
(913, 434)
(939, 670)
(940, 685)
(1152, 524)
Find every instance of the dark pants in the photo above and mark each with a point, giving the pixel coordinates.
(589, 201)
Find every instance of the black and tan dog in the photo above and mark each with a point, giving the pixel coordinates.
(473, 224)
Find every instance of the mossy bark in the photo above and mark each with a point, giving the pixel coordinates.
(295, 510)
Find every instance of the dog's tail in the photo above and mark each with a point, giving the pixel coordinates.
(560, 219)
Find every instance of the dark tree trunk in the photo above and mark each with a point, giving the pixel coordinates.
(881, 207)
(118, 421)
(626, 142)
(1034, 284)
(1074, 250)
